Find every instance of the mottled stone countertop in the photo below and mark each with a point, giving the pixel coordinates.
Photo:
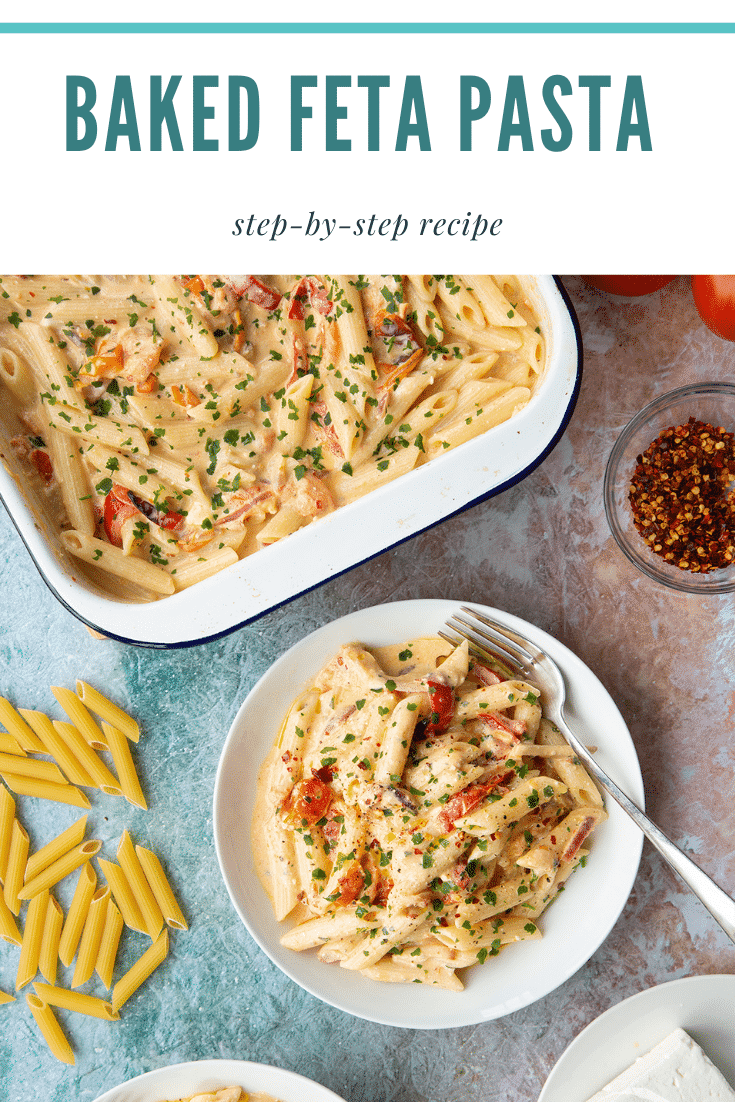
(541, 549)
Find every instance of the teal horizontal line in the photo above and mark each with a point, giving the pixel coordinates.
(367, 28)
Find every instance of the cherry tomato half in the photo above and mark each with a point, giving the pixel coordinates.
(630, 285)
(714, 297)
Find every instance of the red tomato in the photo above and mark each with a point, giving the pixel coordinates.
(170, 520)
(118, 507)
(714, 297)
(629, 285)
(441, 698)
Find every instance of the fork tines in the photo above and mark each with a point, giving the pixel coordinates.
(491, 641)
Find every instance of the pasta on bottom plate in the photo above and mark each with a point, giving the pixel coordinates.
(227, 1094)
(418, 813)
(171, 425)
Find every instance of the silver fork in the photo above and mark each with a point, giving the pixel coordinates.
(514, 655)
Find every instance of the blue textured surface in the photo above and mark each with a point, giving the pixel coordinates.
(542, 550)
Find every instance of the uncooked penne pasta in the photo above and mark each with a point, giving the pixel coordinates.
(54, 745)
(50, 1028)
(99, 704)
(30, 950)
(140, 971)
(17, 857)
(46, 790)
(48, 959)
(56, 848)
(77, 914)
(32, 768)
(6, 998)
(8, 745)
(76, 1001)
(161, 889)
(60, 868)
(80, 717)
(119, 747)
(84, 753)
(8, 926)
(7, 816)
(123, 895)
(141, 889)
(105, 963)
(18, 728)
(89, 945)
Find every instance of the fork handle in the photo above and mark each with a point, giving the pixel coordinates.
(718, 903)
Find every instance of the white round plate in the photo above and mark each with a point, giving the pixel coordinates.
(183, 1080)
(573, 928)
(702, 1005)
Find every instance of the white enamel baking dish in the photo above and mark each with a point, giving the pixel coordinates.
(462, 477)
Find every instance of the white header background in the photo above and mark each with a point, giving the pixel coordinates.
(667, 210)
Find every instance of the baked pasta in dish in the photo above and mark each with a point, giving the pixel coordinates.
(174, 424)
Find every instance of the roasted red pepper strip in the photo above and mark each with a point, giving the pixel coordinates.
(260, 294)
(312, 291)
(118, 508)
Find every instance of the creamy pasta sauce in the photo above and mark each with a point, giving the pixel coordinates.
(419, 813)
(168, 426)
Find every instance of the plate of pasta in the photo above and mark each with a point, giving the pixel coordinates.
(389, 810)
(219, 1081)
(181, 454)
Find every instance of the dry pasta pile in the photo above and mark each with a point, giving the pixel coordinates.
(419, 813)
(135, 893)
(172, 425)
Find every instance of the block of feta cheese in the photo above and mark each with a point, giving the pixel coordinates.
(676, 1070)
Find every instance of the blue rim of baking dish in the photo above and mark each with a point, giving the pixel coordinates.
(508, 484)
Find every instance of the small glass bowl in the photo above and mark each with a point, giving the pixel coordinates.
(713, 403)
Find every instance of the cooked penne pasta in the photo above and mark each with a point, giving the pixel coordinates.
(235, 403)
(50, 1028)
(411, 828)
(140, 971)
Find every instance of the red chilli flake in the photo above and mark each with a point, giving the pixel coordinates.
(683, 499)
